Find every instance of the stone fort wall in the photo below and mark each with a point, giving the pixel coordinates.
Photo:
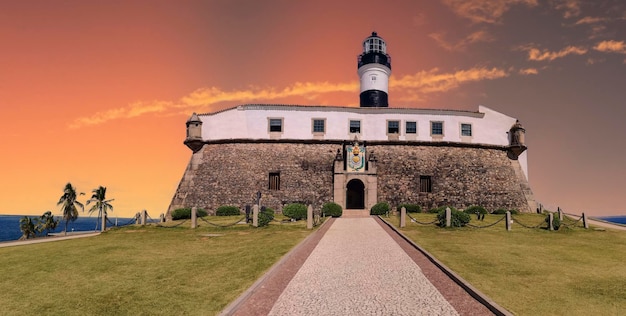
(231, 173)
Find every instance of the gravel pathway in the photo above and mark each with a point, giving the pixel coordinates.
(358, 269)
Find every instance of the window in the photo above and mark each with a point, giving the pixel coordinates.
(466, 129)
(426, 184)
(411, 127)
(319, 125)
(355, 126)
(436, 128)
(393, 127)
(276, 125)
(274, 183)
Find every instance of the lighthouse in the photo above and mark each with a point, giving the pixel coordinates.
(374, 70)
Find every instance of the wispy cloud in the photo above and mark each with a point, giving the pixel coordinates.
(611, 47)
(591, 20)
(461, 45)
(485, 11)
(537, 54)
(570, 8)
(204, 99)
(529, 71)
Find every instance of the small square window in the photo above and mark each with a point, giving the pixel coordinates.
(276, 125)
(319, 126)
(426, 184)
(393, 127)
(355, 126)
(274, 181)
(411, 127)
(436, 128)
(466, 129)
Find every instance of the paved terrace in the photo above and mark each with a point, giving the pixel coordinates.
(356, 267)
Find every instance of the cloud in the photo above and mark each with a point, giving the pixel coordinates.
(541, 55)
(591, 20)
(479, 36)
(570, 8)
(528, 71)
(211, 98)
(611, 47)
(485, 11)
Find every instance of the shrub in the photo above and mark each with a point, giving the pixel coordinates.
(441, 208)
(556, 222)
(227, 210)
(296, 211)
(475, 209)
(457, 218)
(380, 208)
(410, 208)
(185, 213)
(332, 209)
(266, 216)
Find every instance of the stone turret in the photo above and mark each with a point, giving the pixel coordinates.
(516, 140)
(194, 133)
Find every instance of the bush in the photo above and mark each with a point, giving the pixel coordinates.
(185, 213)
(556, 222)
(410, 208)
(296, 211)
(332, 209)
(502, 211)
(441, 208)
(475, 209)
(457, 218)
(266, 216)
(227, 210)
(380, 208)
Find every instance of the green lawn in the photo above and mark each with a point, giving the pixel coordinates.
(142, 270)
(572, 271)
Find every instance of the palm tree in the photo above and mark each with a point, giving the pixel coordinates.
(69, 204)
(27, 227)
(47, 222)
(101, 204)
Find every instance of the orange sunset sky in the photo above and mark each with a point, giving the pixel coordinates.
(98, 92)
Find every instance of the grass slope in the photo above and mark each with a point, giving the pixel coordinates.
(142, 270)
(572, 271)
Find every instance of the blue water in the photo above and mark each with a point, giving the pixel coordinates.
(621, 219)
(10, 225)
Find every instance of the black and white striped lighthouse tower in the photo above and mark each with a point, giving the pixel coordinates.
(374, 71)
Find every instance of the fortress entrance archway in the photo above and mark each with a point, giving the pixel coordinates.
(355, 195)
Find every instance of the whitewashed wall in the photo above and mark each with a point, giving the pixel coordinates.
(251, 122)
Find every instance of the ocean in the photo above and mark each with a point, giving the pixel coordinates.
(10, 225)
(621, 219)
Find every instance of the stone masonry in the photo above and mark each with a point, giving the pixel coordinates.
(231, 172)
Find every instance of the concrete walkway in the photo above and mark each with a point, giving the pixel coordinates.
(73, 235)
(358, 269)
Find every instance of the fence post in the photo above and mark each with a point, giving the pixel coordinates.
(448, 217)
(194, 217)
(309, 217)
(402, 217)
(585, 222)
(508, 221)
(550, 219)
(162, 218)
(560, 213)
(255, 215)
(144, 215)
(137, 218)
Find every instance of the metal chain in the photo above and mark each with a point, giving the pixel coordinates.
(159, 225)
(572, 224)
(475, 226)
(227, 225)
(526, 226)
(418, 222)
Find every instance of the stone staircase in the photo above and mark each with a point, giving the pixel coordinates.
(355, 213)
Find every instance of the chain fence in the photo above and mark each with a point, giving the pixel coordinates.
(414, 220)
(487, 226)
(515, 220)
